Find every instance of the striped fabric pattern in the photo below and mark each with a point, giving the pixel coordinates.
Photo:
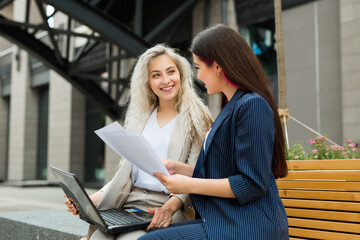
(240, 147)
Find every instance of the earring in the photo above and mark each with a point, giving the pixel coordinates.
(218, 74)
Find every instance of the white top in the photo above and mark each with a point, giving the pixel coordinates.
(206, 136)
(158, 139)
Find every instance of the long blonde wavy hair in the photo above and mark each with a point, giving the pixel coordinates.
(194, 115)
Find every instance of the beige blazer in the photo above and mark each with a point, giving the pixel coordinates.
(180, 149)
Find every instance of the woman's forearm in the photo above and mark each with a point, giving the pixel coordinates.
(212, 187)
(179, 184)
(184, 169)
(173, 204)
(95, 197)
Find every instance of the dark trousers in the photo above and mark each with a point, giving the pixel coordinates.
(185, 230)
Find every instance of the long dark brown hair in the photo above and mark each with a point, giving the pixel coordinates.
(240, 65)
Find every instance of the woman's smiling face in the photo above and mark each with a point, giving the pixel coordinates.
(164, 78)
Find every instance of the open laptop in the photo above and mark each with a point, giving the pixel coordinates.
(110, 220)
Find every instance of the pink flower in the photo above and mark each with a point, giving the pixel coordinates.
(348, 140)
(326, 154)
(352, 145)
(320, 138)
(311, 141)
(354, 149)
(341, 148)
(296, 157)
(314, 150)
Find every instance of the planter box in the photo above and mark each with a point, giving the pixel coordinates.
(322, 198)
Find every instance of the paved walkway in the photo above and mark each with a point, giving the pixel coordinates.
(32, 198)
(39, 209)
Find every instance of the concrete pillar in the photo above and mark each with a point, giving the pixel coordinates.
(4, 104)
(66, 127)
(24, 113)
(23, 120)
(312, 65)
(350, 65)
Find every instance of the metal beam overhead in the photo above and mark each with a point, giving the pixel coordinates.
(47, 56)
(50, 31)
(112, 31)
(54, 30)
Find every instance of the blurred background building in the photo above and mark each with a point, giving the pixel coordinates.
(65, 67)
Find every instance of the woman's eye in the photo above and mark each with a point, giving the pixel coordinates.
(171, 71)
(197, 68)
(155, 75)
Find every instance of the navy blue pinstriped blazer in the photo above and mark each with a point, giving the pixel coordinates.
(240, 147)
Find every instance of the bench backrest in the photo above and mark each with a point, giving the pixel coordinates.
(322, 199)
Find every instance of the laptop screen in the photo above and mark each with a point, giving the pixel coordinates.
(77, 195)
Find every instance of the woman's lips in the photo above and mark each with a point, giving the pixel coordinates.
(166, 89)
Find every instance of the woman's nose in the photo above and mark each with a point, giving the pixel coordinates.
(166, 79)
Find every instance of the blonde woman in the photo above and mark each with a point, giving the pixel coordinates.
(166, 110)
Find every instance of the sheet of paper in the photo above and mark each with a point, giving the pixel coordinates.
(132, 147)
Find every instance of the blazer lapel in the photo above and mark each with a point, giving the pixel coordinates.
(218, 121)
(176, 139)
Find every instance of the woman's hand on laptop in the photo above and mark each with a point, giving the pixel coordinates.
(71, 207)
(95, 198)
(161, 218)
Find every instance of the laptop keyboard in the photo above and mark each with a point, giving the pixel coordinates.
(114, 217)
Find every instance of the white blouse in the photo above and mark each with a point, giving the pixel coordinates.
(206, 136)
(158, 139)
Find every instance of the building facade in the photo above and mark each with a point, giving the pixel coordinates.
(45, 120)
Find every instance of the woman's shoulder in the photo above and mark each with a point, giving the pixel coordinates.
(251, 97)
(252, 101)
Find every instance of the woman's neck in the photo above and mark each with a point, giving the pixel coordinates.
(229, 91)
(165, 113)
(167, 107)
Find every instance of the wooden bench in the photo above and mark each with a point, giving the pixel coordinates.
(322, 199)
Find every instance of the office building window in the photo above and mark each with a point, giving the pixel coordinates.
(42, 132)
(94, 146)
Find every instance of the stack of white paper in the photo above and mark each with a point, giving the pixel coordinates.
(132, 147)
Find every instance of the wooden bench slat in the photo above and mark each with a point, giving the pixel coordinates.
(325, 185)
(324, 225)
(322, 199)
(322, 195)
(338, 164)
(324, 175)
(323, 215)
(316, 204)
(318, 234)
